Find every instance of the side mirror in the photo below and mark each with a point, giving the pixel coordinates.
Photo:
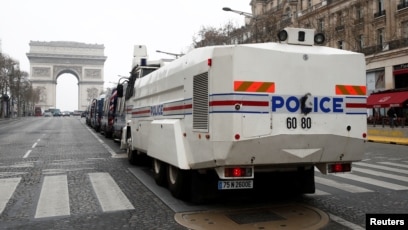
(119, 90)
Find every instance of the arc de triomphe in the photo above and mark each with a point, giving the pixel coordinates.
(48, 60)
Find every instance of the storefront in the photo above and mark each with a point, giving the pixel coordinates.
(379, 103)
(401, 76)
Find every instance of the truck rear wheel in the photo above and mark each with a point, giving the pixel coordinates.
(134, 156)
(179, 182)
(159, 172)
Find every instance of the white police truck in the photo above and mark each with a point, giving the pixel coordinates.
(222, 117)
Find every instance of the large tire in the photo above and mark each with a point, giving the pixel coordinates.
(107, 133)
(307, 181)
(131, 155)
(160, 172)
(134, 156)
(179, 182)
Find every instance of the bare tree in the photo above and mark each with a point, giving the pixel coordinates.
(15, 88)
(210, 36)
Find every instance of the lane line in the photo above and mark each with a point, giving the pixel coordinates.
(110, 196)
(7, 188)
(341, 186)
(109, 149)
(54, 197)
(32, 147)
(27, 153)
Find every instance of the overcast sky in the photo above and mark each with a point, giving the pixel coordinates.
(167, 25)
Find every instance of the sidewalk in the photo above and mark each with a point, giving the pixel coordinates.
(396, 135)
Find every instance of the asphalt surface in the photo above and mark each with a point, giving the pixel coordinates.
(35, 152)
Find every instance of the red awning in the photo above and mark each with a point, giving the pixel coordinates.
(384, 100)
(400, 71)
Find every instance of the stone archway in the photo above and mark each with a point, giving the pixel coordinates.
(49, 60)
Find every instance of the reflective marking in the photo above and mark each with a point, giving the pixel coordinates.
(341, 186)
(350, 90)
(372, 181)
(110, 196)
(7, 188)
(54, 197)
(254, 86)
(381, 174)
(35, 144)
(382, 167)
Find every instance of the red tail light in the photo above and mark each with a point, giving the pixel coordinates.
(339, 167)
(238, 172)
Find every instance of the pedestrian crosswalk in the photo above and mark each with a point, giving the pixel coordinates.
(53, 195)
(54, 198)
(365, 177)
(7, 188)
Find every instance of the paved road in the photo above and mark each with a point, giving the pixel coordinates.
(56, 173)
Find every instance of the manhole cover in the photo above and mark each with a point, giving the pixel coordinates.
(290, 216)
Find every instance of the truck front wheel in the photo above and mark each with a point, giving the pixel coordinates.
(134, 156)
(179, 182)
(159, 172)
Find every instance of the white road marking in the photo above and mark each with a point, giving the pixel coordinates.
(11, 174)
(345, 222)
(109, 149)
(110, 196)
(394, 164)
(382, 174)
(341, 186)
(382, 167)
(7, 188)
(27, 153)
(375, 182)
(32, 147)
(319, 193)
(54, 197)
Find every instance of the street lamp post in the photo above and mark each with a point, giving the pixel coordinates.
(172, 54)
(248, 15)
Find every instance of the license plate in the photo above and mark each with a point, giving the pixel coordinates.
(235, 184)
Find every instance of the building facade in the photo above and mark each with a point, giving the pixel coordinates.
(377, 28)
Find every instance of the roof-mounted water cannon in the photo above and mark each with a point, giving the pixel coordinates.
(297, 36)
(139, 55)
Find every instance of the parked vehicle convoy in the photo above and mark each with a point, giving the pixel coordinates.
(222, 117)
(77, 113)
(108, 113)
(119, 120)
(95, 112)
(37, 111)
(47, 114)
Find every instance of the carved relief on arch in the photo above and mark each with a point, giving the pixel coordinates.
(93, 73)
(42, 94)
(41, 72)
(92, 93)
(75, 70)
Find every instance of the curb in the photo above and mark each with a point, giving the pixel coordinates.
(388, 140)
